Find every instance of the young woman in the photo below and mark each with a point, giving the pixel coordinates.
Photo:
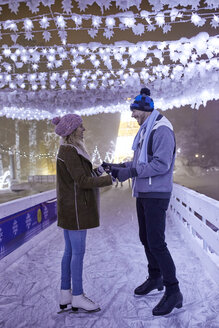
(78, 208)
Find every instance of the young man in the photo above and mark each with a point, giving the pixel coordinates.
(152, 174)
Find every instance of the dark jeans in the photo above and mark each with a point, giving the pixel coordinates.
(151, 218)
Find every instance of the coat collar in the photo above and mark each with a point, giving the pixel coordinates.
(79, 151)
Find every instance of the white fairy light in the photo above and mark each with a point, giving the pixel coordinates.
(96, 21)
(10, 25)
(51, 58)
(216, 18)
(94, 77)
(128, 21)
(118, 56)
(61, 22)
(101, 51)
(73, 51)
(28, 25)
(17, 52)
(96, 63)
(160, 19)
(77, 71)
(33, 77)
(44, 23)
(65, 75)
(7, 52)
(110, 22)
(8, 78)
(77, 19)
(52, 51)
(54, 76)
(12, 85)
(58, 63)
(195, 18)
(81, 48)
(20, 77)
(31, 50)
(8, 67)
(13, 57)
(80, 60)
(63, 55)
(34, 87)
(49, 65)
(74, 63)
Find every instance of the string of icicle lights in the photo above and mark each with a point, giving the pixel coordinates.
(106, 25)
(101, 59)
(69, 5)
(23, 154)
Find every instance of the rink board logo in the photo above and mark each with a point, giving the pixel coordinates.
(39, 215)
(18, 228)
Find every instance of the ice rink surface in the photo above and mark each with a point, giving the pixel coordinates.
(114, 265)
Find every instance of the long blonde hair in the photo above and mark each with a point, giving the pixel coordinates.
(75, 141)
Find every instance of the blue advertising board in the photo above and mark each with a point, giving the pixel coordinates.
(19, 227)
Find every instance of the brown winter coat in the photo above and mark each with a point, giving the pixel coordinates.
(77, 190)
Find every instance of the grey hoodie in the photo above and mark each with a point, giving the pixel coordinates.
(155, 178)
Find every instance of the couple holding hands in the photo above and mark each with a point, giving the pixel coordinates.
(78, 186)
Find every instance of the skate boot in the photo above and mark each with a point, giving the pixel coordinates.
(168, 303)
(149, 285)
(84, 303)
(65, 298)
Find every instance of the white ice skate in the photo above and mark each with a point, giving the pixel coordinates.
(84, 303)
(65, 298)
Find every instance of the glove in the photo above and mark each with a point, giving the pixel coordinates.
(110, 165)
(100, 170)
(123, 174)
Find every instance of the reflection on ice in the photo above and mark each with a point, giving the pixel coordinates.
(114, 265)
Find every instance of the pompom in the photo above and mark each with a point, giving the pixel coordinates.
(56, 120)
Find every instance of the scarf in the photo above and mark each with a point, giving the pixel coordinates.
(148, 126)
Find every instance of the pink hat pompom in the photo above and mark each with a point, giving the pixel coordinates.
(56, 120)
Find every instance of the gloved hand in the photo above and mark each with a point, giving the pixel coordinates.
(123, 174)
(108, 166)
(100, 170)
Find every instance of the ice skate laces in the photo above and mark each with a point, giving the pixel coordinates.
(88, 299)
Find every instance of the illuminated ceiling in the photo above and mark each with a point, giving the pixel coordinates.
(89, 56)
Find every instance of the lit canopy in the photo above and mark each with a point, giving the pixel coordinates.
(89, 56)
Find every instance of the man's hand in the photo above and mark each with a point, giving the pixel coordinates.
(123, 174)
(108, 166)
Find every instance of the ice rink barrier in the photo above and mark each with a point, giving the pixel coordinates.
(23, 218)
(197, 217)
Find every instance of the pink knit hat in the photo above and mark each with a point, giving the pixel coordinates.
(67, 124)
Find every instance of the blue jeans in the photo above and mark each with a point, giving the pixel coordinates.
(72, 261)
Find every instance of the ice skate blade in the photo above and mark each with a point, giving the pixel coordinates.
(64, 310)
(80, 310)
(172, 312)
(152, 293)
